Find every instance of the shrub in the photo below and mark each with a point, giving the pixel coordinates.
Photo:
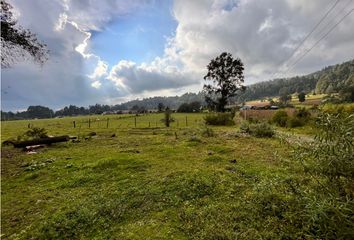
(280, 118)
(261, 130)
(221, 119)
(331, 153)
(245, 127)
(302, 113)
(329, 160)
(33, 133)
(257, 129)
(300, 118)
(338, 108)
(294, 122)
(37, 133)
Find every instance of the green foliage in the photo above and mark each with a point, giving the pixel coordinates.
(302, 97)
(347, 94)
(221, 119)
(341, 76)
(329, 160)
(335, 78)
(33, 133)
(245, 127)
(280, 118)
(189, 107)
(332, 153)
(300, 118)
(337, 108)
(302, 113)
(294, 122)
(226, 74)
(37, 132)
(262, 130)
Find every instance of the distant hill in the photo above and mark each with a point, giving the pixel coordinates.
(328, 80)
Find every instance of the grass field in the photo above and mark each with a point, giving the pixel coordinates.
(154, 183)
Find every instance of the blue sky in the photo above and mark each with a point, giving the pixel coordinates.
(139, 36)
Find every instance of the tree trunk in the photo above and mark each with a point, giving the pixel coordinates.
(38, 141)
(222, 103)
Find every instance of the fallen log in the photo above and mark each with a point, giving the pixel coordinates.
(40, 141)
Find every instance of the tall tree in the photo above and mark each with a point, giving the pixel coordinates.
(226, 74)
(16, 41)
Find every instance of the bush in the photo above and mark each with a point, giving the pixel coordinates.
(280, 118)
(261, 130)
(37, 133)
(299, 119)
(245, 127)
(338, 108)
(329, 160)
(33, 133)
(221, 119)
(257, 129)
(302, 113)
(294, 122)
(331, 153)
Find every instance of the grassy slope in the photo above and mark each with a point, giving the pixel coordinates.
(146, 184)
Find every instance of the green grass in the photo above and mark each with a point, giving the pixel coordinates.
(152, 183)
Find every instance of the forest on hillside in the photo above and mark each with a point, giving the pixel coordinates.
(329, 80)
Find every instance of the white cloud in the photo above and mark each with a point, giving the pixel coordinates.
(133, 78)
(96, 84)
(261, 33)
(100, 70)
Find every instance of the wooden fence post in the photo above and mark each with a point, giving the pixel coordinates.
(74, 124)
(135, 121)
(89, 123)
(186, 121)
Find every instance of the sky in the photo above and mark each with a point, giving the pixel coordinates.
(111, 51)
